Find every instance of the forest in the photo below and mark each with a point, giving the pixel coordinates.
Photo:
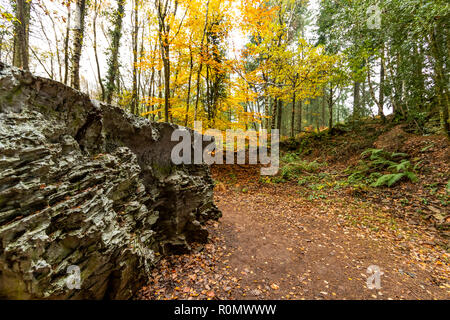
(358, 91)
(241, 64)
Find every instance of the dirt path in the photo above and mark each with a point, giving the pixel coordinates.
(289, 248)
(275, 243)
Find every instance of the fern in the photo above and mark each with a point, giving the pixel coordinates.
(411, 176)
(372, 152)
(391, 179)
(402, 166)
(399, 155)
(383, 167)
(395, 178)
(383, 180)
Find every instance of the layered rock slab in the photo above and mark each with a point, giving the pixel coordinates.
(86, 184)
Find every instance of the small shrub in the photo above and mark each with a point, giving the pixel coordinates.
(391, 179)
(294, 169)
(290, 157)
(381, 168)
(402, 170)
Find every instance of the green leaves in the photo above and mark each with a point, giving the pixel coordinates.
(403, 166)
(384, 168)
(393, 178)
(294, 169)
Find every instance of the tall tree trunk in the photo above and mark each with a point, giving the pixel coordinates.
(419, 77)
(134, 97)
(440, 81)
(398, 86)
(201, 62)
(274, 114)
(159, 93)
(113, 62)
(356, 101)
(21, 37)
(300, 115)
(199, 71)
(94, 29)
(166, 63)
(330, 109)
(191, 66)
(150, 95)
(208, 94)
(380, 101)
(140, 89)
(293, 115)
(153, 83)
(66, 46)
(279, 114)
(78, 45)
(164, 32)
(267, 111)
(381, 93)
(323, 111)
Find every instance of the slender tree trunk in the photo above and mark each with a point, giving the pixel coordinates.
(201, 62)
(191, 66)
(380, 101)
(279, 114)
(166, 62)
(293, 115)
(323, 111)
(113, 62)
(21, 37)
(420, 79)
(356, 101)
(267, 110)
(164, 32)
(150, 95)
(16, 55)
(381, 93)
(274, 114)
(398, 85)
(317, 124)
(198, 91)
(440, 82)
(140, 89)
(208, 93)
(363, 102)
(338, 110)
(134, 98)
(330, 109)
(66, 46)
(300, 116)
(78, 45)
(153, 82)
(159, 93)
(94, 29)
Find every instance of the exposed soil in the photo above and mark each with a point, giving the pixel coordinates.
(272, 243)
(284, 241)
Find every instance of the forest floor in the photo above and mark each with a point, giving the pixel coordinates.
(286, 241)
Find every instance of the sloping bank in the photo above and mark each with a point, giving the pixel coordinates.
(86, 186)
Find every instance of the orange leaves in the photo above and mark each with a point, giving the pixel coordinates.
(256, 16)
(224, 89)
(274, 286)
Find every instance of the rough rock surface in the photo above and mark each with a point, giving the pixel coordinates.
(86, 184)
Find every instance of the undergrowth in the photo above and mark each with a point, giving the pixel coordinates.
(379, 168)
(293, 167)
